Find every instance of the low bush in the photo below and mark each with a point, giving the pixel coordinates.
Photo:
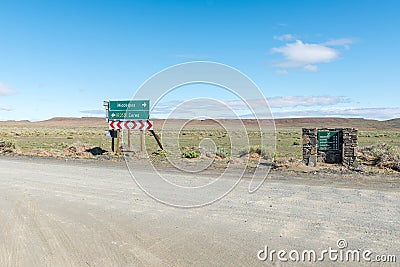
(191, 153)
(221, 153)
(6, 147)
(262, 152)
(382, 155)
(160, 153)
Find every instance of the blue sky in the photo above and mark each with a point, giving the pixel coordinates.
(309, 58)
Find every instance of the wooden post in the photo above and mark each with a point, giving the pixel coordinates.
(141, 141)
(157, 139)
(118, 150)
(129, 140)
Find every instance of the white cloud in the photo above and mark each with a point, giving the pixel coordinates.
(282, 107)
(308, 55)
(281, 72)
(281, 24)
(5, 89)
(339, 42)
(289, 101)
(299, 54)
(94, 111)
(311, 68)
(366, 113)
(305, 101)
(165, 107)
(284, 37)
(192, 56)
(345, 42)
(6, 108)
(206, 106)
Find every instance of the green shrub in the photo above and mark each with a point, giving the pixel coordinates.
(191, 153)
(221, 153)
(160, 153)
(262, 152)
(296, 143)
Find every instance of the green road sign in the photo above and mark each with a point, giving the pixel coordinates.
(128, 110)
(128, 115)
(328, 140)
(129, 105)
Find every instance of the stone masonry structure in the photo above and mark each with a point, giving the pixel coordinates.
(330, 145)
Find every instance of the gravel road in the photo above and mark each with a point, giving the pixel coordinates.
(56, 213)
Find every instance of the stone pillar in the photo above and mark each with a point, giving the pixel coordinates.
(310, 146)
(350, 145)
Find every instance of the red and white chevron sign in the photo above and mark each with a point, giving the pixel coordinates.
(131, 125)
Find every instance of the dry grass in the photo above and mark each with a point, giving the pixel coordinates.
(54, 139)
(381, 155)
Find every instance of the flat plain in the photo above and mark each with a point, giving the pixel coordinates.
(54, 135)
(60, 205)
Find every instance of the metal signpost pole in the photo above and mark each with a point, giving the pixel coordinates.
(118, 150)
(112, 142)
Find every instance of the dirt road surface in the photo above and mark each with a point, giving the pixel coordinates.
(55, 213)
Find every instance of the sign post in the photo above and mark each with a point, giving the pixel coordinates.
(130, 115)
(118, 150)
(157, 139)
(129, 140)
(113, 135)
(112, 143)
(141, 141)
(128, 110)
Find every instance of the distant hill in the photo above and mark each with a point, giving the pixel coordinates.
(394, 123)
(280, 123)
(84, 121)
(59, 121)
(329, 122)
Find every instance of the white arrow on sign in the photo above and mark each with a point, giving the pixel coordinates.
(144, 104)
(113, 115)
